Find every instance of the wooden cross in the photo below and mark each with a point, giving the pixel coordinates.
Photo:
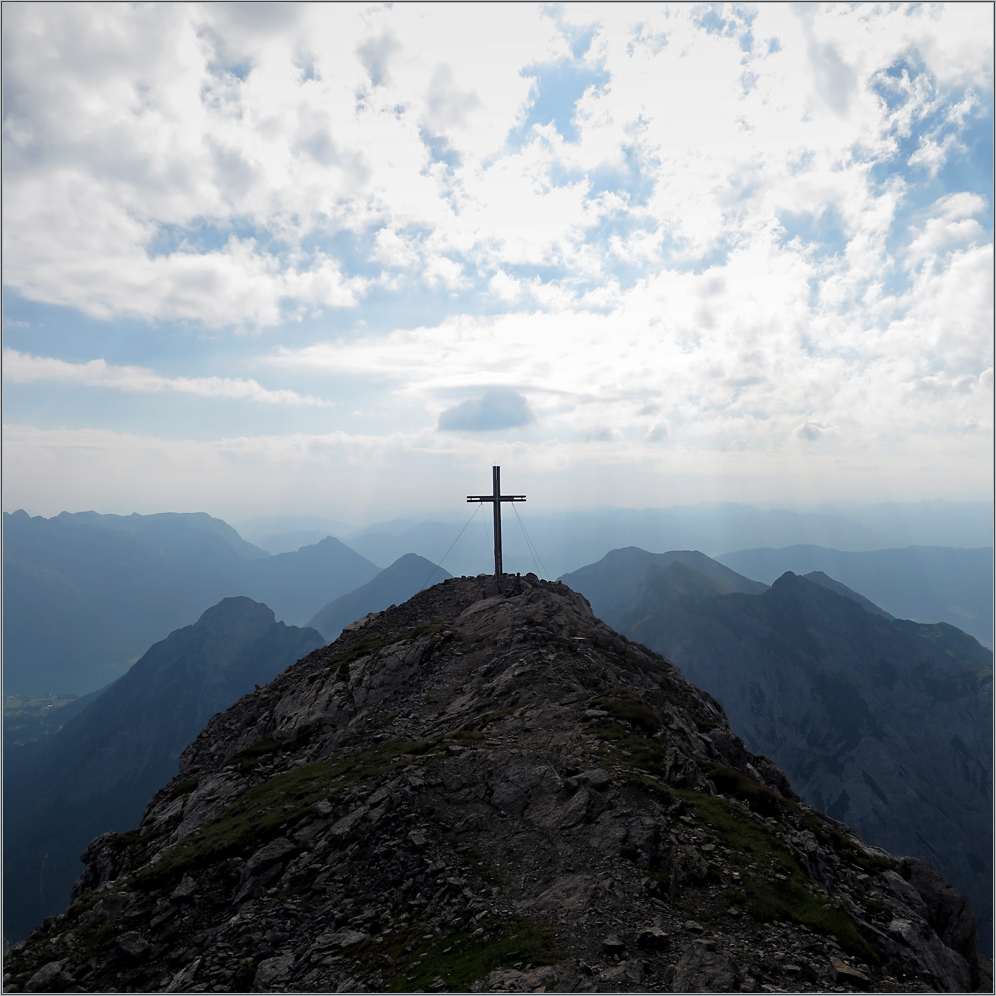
(497, 498)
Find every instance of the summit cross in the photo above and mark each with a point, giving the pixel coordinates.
(497, 498)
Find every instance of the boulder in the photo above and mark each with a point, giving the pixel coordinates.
(275, 852)
(184, 978)
(272, 972)
(185, 890)
(652, 939)
(44, 977)
(703, 969)
(948, 911)
(612, 945)
(132, 945)
(844, 973)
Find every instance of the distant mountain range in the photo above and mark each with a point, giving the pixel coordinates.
(566, 540)
(925, 583)
(394, 585)
(84, 594)
(97, 773)
(882, 723)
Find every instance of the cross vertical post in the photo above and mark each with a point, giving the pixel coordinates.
(496, 497)
(496, 509)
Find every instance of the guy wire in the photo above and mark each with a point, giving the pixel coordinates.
(453, 544)
(529, 543)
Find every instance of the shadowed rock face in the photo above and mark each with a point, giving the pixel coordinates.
(491, 790)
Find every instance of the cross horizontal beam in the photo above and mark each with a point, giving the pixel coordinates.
(492, 498)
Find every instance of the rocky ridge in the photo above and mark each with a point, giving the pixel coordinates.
(491, 790)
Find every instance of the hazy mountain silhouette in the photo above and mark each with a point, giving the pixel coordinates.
(618, 579)
(99, 770)
(394, 585)
(924, 583)
(881, 722)
(567, 539)
(84, 594)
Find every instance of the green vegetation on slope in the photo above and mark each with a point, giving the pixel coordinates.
(773, 885)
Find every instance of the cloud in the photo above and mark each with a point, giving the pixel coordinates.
(446, 104)
(602, 434)
(505, 287)
(500, 408)
(658, 433)
(19, 368)
(376, 55)
(812, 431)
(515, 197)
(835, 79)
(292, 165)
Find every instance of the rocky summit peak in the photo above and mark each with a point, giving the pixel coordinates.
(491, 790)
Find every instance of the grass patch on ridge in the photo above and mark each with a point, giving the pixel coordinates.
(258, 814)
(791, 898)
(461, 959)
(622, 704)
(748, 840)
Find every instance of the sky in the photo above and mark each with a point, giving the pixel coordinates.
(340, 259)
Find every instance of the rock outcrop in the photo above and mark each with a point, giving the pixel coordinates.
(491, 790)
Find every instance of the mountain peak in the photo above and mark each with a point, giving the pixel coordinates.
(393, 585)
(490, 787)
(238, 608)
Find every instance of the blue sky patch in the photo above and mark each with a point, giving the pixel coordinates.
(557, 88)
(824, 231)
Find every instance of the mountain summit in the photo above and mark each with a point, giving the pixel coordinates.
(492, 790)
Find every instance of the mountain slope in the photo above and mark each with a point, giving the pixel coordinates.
(619, 576)
(883, 723)
(818, 577)
(85, 594)
(924, 583)
(296, 585)
(97, 772)
(492, 790)
(395, 584)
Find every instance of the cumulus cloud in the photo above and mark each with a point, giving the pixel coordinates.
(446, 104)
(811, 431)
(500, 408)
(415, 203)
(19, 368)
(602, 434)
(376, 55)
(244, 161)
